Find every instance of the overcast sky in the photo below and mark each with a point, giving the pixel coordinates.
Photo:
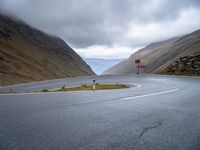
(108, 28)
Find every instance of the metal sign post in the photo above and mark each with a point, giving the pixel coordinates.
(137, 62)
(138, 69)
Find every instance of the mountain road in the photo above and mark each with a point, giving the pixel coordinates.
(156, 112)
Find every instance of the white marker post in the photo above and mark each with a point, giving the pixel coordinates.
(94, 85)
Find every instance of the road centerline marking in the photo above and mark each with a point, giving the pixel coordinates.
(151, 94)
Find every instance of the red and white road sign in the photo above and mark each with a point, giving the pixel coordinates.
(137, 61)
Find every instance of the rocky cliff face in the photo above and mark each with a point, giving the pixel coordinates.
(188, 65)
(27, 54)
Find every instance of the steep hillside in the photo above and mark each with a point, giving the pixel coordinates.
(158, 56)
(147, 55)
(27, 54)
(187, 45)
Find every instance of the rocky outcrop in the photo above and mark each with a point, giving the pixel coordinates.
(188, 65)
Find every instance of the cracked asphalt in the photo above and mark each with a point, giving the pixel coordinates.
(145, 129)
(162, 112)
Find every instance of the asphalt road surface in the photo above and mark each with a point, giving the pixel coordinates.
(160, 112)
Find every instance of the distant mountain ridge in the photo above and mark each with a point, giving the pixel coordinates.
(28, 54)
(99, 65)
(160, 55)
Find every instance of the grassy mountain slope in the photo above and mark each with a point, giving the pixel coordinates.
(147, 55)
(158, 56)
(27, 54)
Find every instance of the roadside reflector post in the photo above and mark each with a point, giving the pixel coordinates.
(94, 85)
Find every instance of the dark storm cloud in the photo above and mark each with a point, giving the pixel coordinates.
(84, 23)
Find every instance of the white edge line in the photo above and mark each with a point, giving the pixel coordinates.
(137, 85)
(34, 93)
(151, 94)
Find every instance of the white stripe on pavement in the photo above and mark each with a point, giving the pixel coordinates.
(151, 94)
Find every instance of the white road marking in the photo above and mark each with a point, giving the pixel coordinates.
(151, 94)
(138, 85)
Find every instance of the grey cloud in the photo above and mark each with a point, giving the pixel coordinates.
(84, 23)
